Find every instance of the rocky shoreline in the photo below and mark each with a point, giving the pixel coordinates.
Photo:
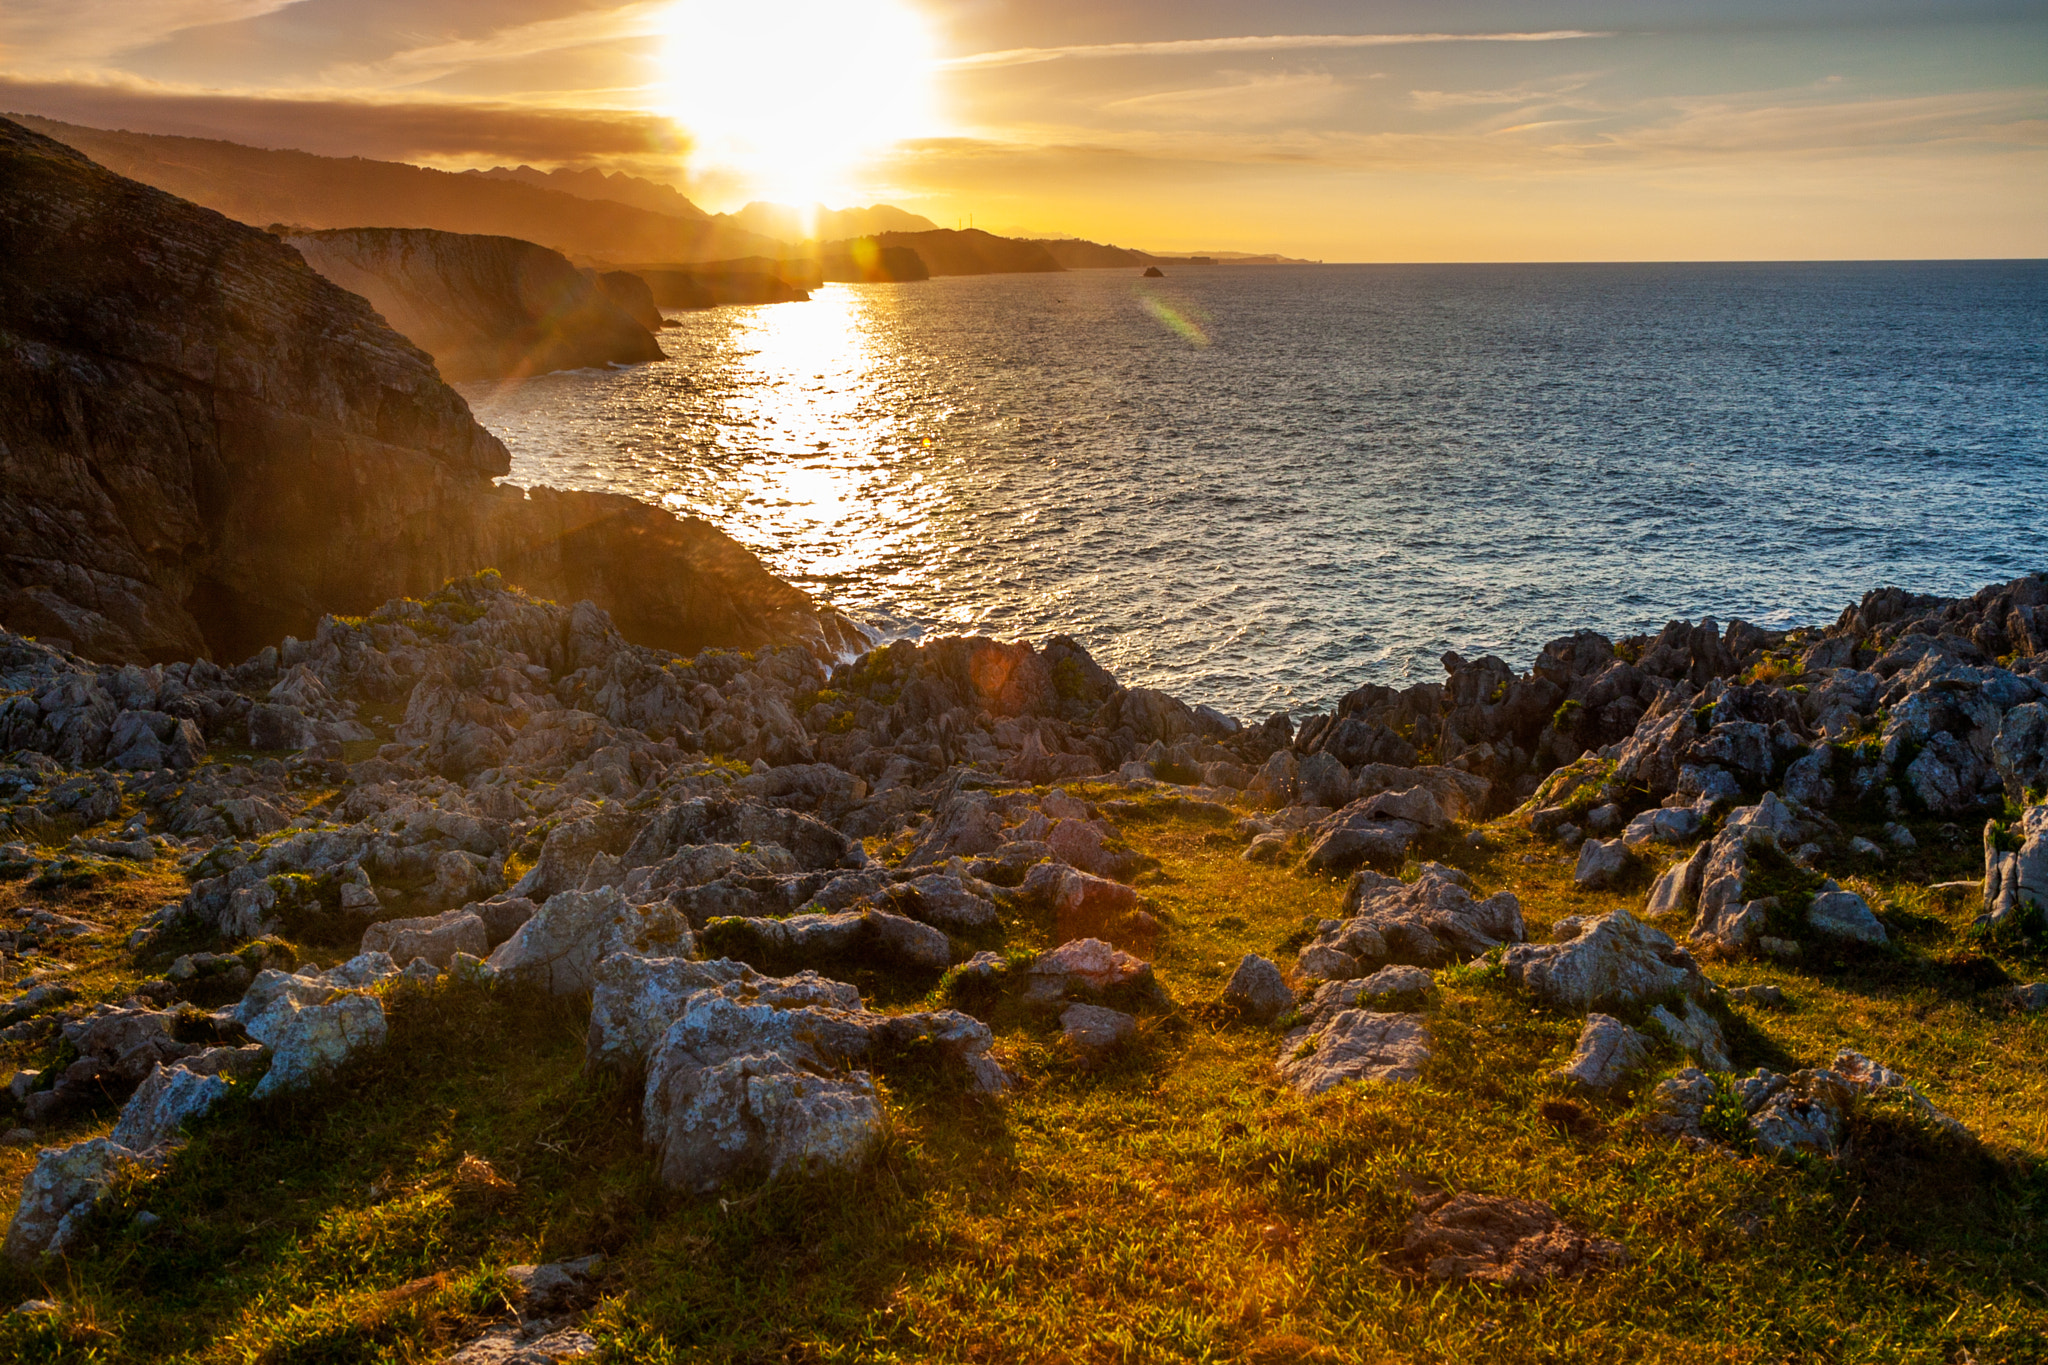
(482, 787)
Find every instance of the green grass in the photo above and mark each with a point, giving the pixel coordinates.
(1179, 1204)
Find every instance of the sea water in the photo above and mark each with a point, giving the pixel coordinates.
(1261, 486)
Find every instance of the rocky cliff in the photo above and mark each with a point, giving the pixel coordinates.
(483, 307)
(205, 445)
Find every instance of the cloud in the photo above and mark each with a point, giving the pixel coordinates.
(1248, 99)
(1547, 93)
(1187, 47)
(535, 39)
(409, 130)
(53, 35)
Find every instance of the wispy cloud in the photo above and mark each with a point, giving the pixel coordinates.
(53, 35)
(1246, 99)
(426, 62)
(1544, 93)
(1285, 42)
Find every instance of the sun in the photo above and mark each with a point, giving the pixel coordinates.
(791, 96)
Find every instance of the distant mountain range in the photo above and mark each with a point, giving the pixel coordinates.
(590, 216)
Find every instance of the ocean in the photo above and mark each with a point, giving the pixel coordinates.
(1261, 486)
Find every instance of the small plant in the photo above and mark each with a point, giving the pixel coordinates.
(1724, 1119)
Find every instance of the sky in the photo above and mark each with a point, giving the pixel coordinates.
(1457, 130)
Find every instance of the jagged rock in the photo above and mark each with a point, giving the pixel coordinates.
(1430, 922)
(2031, 998)
(962, 827)
(1804, 1112)
(944, 901)
(306, 1041)
(1257, 990)
(742, 1090)
(1267, 847)
(635, 999)
(1354, 1045)
(1090, 969)
(437, 939)
(59, 1194)
(1517, 1243)
(1616, 963)
(1663, 825)
(1094, 1031)
(1601, 863)
(1607, 1051)
(1375, 830)
(1845, 915)
(1389, 988)
(2016, 880)
(167, 1100)
(560, 947)
(1694, 1032)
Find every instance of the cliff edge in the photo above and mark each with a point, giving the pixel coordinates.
(483, 307)
(205, 445)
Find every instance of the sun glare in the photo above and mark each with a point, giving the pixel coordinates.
(792, 95)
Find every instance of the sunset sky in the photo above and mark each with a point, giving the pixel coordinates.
(1540, 130)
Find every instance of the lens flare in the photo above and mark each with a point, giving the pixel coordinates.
(1177, 320)
(791, 96)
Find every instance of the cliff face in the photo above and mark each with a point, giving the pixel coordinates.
(483, 307)
(205, 445)
(257, 185)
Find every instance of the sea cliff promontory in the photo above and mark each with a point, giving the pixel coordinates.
(209, 445)
(483, 307)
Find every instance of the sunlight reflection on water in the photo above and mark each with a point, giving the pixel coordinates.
(1363, 468)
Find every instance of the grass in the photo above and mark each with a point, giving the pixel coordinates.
(1178, 1204)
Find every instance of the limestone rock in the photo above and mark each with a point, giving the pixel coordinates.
(1257, 991)
(306, 1041)
(737, 1091)
(1354, 1045)
(2016, 880)
(1094, 1031)
(1694, 1032)
(1845, 915)
(1090, 969)
(1607, 1051)
(437, 939)
(1616, 963)
(560, 947)
(1081, 902)
(1430, 922)
(59, 1193)
(1601, 863)
(1663, 825)
(169, 1099)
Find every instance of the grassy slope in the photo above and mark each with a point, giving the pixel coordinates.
(1177, 1205)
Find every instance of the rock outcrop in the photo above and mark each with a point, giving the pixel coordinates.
(209, 446)
(483, 307)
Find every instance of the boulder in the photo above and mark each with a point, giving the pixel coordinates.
(1694, 1032)
(2016, 879)
(1354, 1045)
(1601, 863)
(1607, 1051)
(1258, 991)
(306, 1041)
(1094, 1032)
(1430, 922)
(1615, 963)
(560, 947)
(166, 1101)
(817, 939)
(634, 999)
(944, 901)
(1844, 915)
(59, 1194)
(437, 939)
(740, 1091)
(1091, 970)
(1663, 825)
